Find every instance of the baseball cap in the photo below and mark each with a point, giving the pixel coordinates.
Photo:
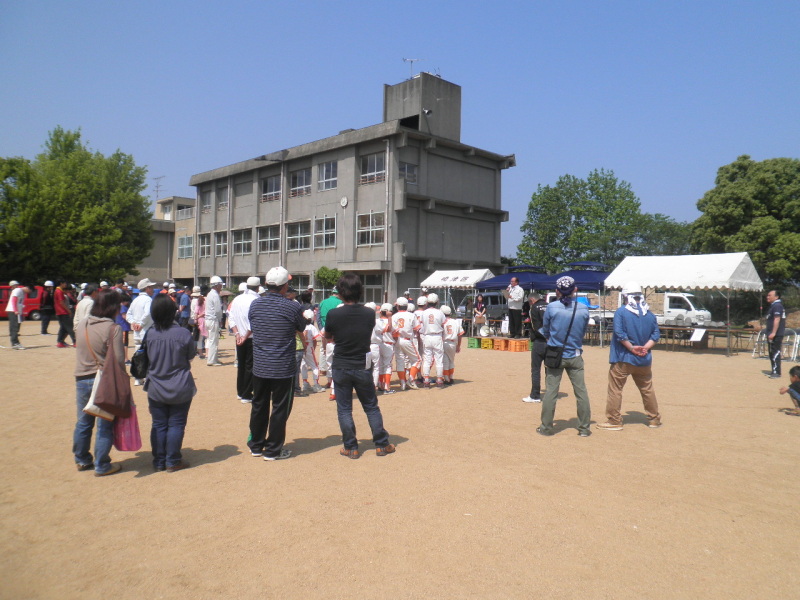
(277, 276)
(433, 298)
(103, 284)
(13, 282)
(242, 287)
(402, 301)
(422, 301)
(253, 280)
(386, 307)
(308, 313)
(371, 305)
(447, 310)
(145, 283)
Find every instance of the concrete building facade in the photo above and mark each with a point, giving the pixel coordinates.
(394, 201)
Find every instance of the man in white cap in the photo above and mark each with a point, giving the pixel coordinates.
(213, 320)
(432, 330)
(635, 333)
(48, 307)
(275, 322)
(14, 310)
(138, 314)
(239, 322)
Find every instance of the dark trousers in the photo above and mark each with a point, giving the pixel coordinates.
(775, 354)
(537, 356)
(65, 329)
(46, 318)
(514, 323)
(166, 435)
(13, 328)
(268, 427)
(344, 382)
(244, 374)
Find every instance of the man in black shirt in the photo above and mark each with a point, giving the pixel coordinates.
(350, 327)
(536, 313)
(776, 322)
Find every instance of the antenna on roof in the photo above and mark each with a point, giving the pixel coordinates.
(157, 186)
(411, 62)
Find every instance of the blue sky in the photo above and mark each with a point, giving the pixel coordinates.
(662, 93)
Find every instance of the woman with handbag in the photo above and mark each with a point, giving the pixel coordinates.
(92, 341)
(480, 314)
(170, 386)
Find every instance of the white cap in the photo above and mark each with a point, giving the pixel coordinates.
(422, 301)
(145, 283)
(105, 284)
(14, 282)
(253, 280)
(48, 283)
(310, 287)
(402, 301)
(261, 290)
(632, 288)
(216, 280)
(277, 276)
(166, 284)
(433, 298)
(386, 307)
(83, 285)
(308, 313)
(171, 286)
(447, 310)
(242, 287)
(371, 305)
(411, 306)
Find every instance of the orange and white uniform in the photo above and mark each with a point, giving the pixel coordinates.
(406, 352)
(452, 344)
(432, 329)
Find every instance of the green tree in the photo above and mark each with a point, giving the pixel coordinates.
(328, 277)
(577, 219)
(754, 208)
(72, 213)
(660, 235)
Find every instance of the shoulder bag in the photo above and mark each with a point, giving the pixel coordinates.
(91, 408)
(114, 391)
(140, 362)
(553, 355)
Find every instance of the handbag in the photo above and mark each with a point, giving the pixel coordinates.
(91, 408)
(140, 362)
(113, 393)
(553, 355)
(126, 432)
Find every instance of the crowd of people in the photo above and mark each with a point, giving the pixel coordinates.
(285, 345)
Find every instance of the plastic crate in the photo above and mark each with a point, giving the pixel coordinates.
(473, 343)
(500, 344)
(518, 346)
(487, 344)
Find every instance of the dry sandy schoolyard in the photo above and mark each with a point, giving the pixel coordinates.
(474, 504)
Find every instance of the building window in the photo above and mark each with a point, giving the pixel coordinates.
(298, 235)
(370, 229)
(408, 172)
(242, 242)
(167, 212)
(204, 241)
(205, 202)
(325, 232)
(185, 246)
(269, 239)
(221, 243)
(271, 188)
(222, 198)
(327, 173)
(300, 282)
(184, 212)
(301, 183)
(373, 168)
(373, 287)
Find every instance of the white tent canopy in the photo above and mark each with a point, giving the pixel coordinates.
(733, 271)
(463, 279)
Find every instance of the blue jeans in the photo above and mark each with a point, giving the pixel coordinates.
(344, 381)
(166, 435)
(82, 438)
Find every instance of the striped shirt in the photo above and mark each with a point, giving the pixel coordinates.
(275, 321)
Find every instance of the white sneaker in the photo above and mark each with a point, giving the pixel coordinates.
(529, 399)
(246, 400)
(19, 347)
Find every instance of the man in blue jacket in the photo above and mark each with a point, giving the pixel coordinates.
(635, 333)
(563, 325)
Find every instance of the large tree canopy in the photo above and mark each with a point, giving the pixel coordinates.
(592, 219)
(72, 213)
(755, 208)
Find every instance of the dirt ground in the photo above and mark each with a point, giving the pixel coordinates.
(474, 504)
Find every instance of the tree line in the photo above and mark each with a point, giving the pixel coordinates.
(754, 207)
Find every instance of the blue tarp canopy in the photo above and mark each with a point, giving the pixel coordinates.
(527, 281)
(586, 280)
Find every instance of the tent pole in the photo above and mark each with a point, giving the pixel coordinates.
(728, 323)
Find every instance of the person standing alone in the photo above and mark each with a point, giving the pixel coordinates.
(214, 320)
(539, 343)
(14, 311)
(776, 323)
(516, 296)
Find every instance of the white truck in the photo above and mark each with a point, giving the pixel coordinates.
(679, 308)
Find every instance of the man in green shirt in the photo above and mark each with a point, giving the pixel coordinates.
(326, 352)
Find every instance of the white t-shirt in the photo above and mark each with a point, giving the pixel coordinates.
(16, 301)
(432, 321)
